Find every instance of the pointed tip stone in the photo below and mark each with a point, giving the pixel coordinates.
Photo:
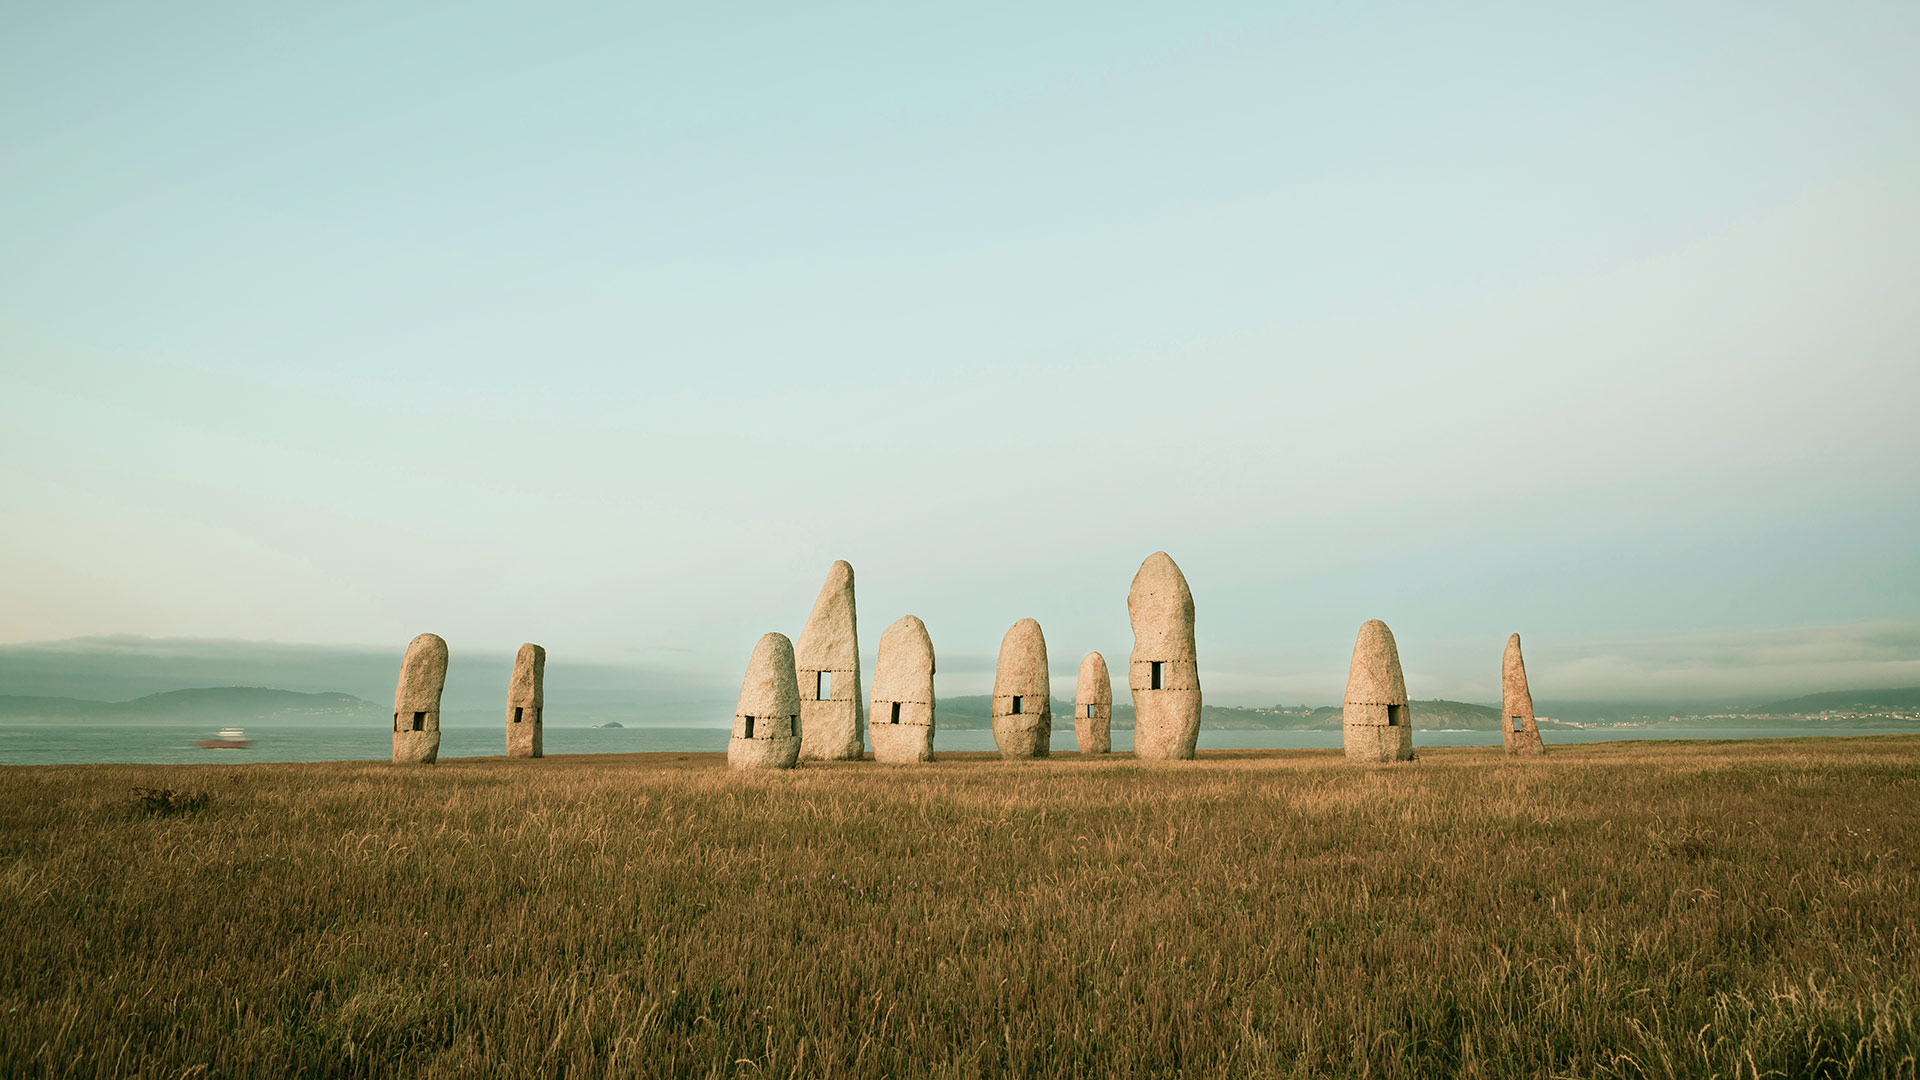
(903, 706)
(1093, 706)
(1377, 724)
(1022, 694)
(1164, 672)
(526, 702)
(766, 722)
(416, 701)
(1519, 731)
(830, 643)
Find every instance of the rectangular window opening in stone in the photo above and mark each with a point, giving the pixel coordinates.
(1517, 725)
(517, 710)
(419, 721)
(396, 721)
(1089, 712)
(1159, 675)
(1016, 704)
(896, 713)
(749, 727)
(823, 686)
(1394, 715)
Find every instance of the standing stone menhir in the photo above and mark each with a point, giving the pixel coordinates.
(416, 701)
(902, 726)
(1022, 694)
(1164, 672)
(1376, 723)
(526, 700)
(1519, 732)
(828, 665)
(1093, 706)
(764, 723)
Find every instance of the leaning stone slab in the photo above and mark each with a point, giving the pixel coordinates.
(902, 722)
(526, 700)
(416, 701)
(1164, 672)
(765, 724)
(1376, 724)
(1093, 706)
(827, 662)
(1519, 731)
(1022, 694)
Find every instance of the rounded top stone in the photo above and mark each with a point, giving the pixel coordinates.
(1095, 686)
(423, 672)
(1023, 661)
(904, 671)
(1375, 677)
(527, 684)
(769, 688)
(1160, 605)
(427, 646)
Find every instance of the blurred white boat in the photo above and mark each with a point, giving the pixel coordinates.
(232, 738)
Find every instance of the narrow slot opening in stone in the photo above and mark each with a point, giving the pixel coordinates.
(419, 721)
(896, 713)
(396, 721)
(1016, 704)
(1517, 726)
(517, 710)
(823, 686)
(749, 727)
(1159, 675)
(1089, 712)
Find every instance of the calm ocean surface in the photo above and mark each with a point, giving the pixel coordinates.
(40, 743)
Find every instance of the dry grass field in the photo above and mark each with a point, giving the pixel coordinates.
(1622, 910)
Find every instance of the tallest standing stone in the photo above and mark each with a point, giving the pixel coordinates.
(1164, 673)
(827, 662)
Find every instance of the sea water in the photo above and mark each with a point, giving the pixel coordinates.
(163, 742)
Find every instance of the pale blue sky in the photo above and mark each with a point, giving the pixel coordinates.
(611, 328)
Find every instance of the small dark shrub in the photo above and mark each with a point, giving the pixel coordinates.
(164, 802)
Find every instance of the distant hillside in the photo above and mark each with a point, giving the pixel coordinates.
(1431, 714)
(1903, 700)
(976, 711)
(211, 705)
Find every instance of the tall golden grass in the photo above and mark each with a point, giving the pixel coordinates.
(1625, 910)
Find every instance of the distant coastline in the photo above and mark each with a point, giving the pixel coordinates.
(216, 706)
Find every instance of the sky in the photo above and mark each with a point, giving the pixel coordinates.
(611, 327)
